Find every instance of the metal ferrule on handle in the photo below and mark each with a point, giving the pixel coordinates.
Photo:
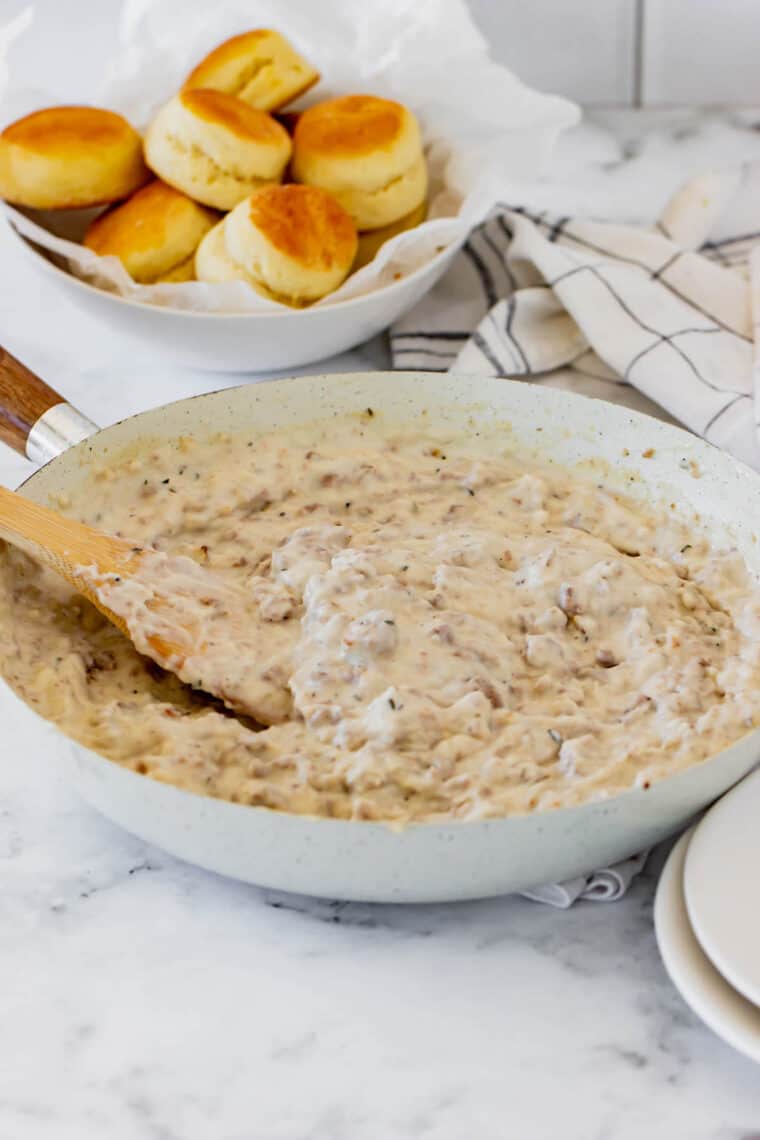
(57, 429)
(34, 419)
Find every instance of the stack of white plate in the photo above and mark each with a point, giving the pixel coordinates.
(707, 917)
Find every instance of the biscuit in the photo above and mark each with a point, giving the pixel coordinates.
(214, 148)
(371, 240)
(155, 233)
(214, 264)
(70, 157)
(367, 152)
(260, 67)
(293, 244)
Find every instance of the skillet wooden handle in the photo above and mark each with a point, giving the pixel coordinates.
(23, 399)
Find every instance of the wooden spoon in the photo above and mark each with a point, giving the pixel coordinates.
(83, 556)
(187, 619)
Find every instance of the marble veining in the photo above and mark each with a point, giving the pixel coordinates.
(147, 1000)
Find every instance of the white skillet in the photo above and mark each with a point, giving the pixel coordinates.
(423, 862)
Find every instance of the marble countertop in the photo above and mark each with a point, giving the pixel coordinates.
(147, 1000)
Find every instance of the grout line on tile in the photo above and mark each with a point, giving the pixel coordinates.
(638, 53)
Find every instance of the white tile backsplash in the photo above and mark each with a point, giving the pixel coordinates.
(701, 51)
(625, 52)
(584, 49)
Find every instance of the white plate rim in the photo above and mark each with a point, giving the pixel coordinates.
(704, 909)
(722, 1008)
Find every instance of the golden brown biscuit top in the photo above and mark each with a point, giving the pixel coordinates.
(230, 49)
(227, 111)
(305, 223)
(64, 129)
(349, 125)
(142, 222)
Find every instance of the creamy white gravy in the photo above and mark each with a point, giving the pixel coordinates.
(430, 632)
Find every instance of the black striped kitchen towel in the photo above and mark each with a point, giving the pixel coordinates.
(667, 309)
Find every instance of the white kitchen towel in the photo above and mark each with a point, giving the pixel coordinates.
(667, 309)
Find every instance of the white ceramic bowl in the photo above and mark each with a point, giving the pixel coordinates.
(247, 342)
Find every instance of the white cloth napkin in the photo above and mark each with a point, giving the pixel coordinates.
(668, 310)
(607, 885)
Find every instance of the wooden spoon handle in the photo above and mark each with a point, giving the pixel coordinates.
(26, 424)
(23, 399)
(86, 558)
(63, 544)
